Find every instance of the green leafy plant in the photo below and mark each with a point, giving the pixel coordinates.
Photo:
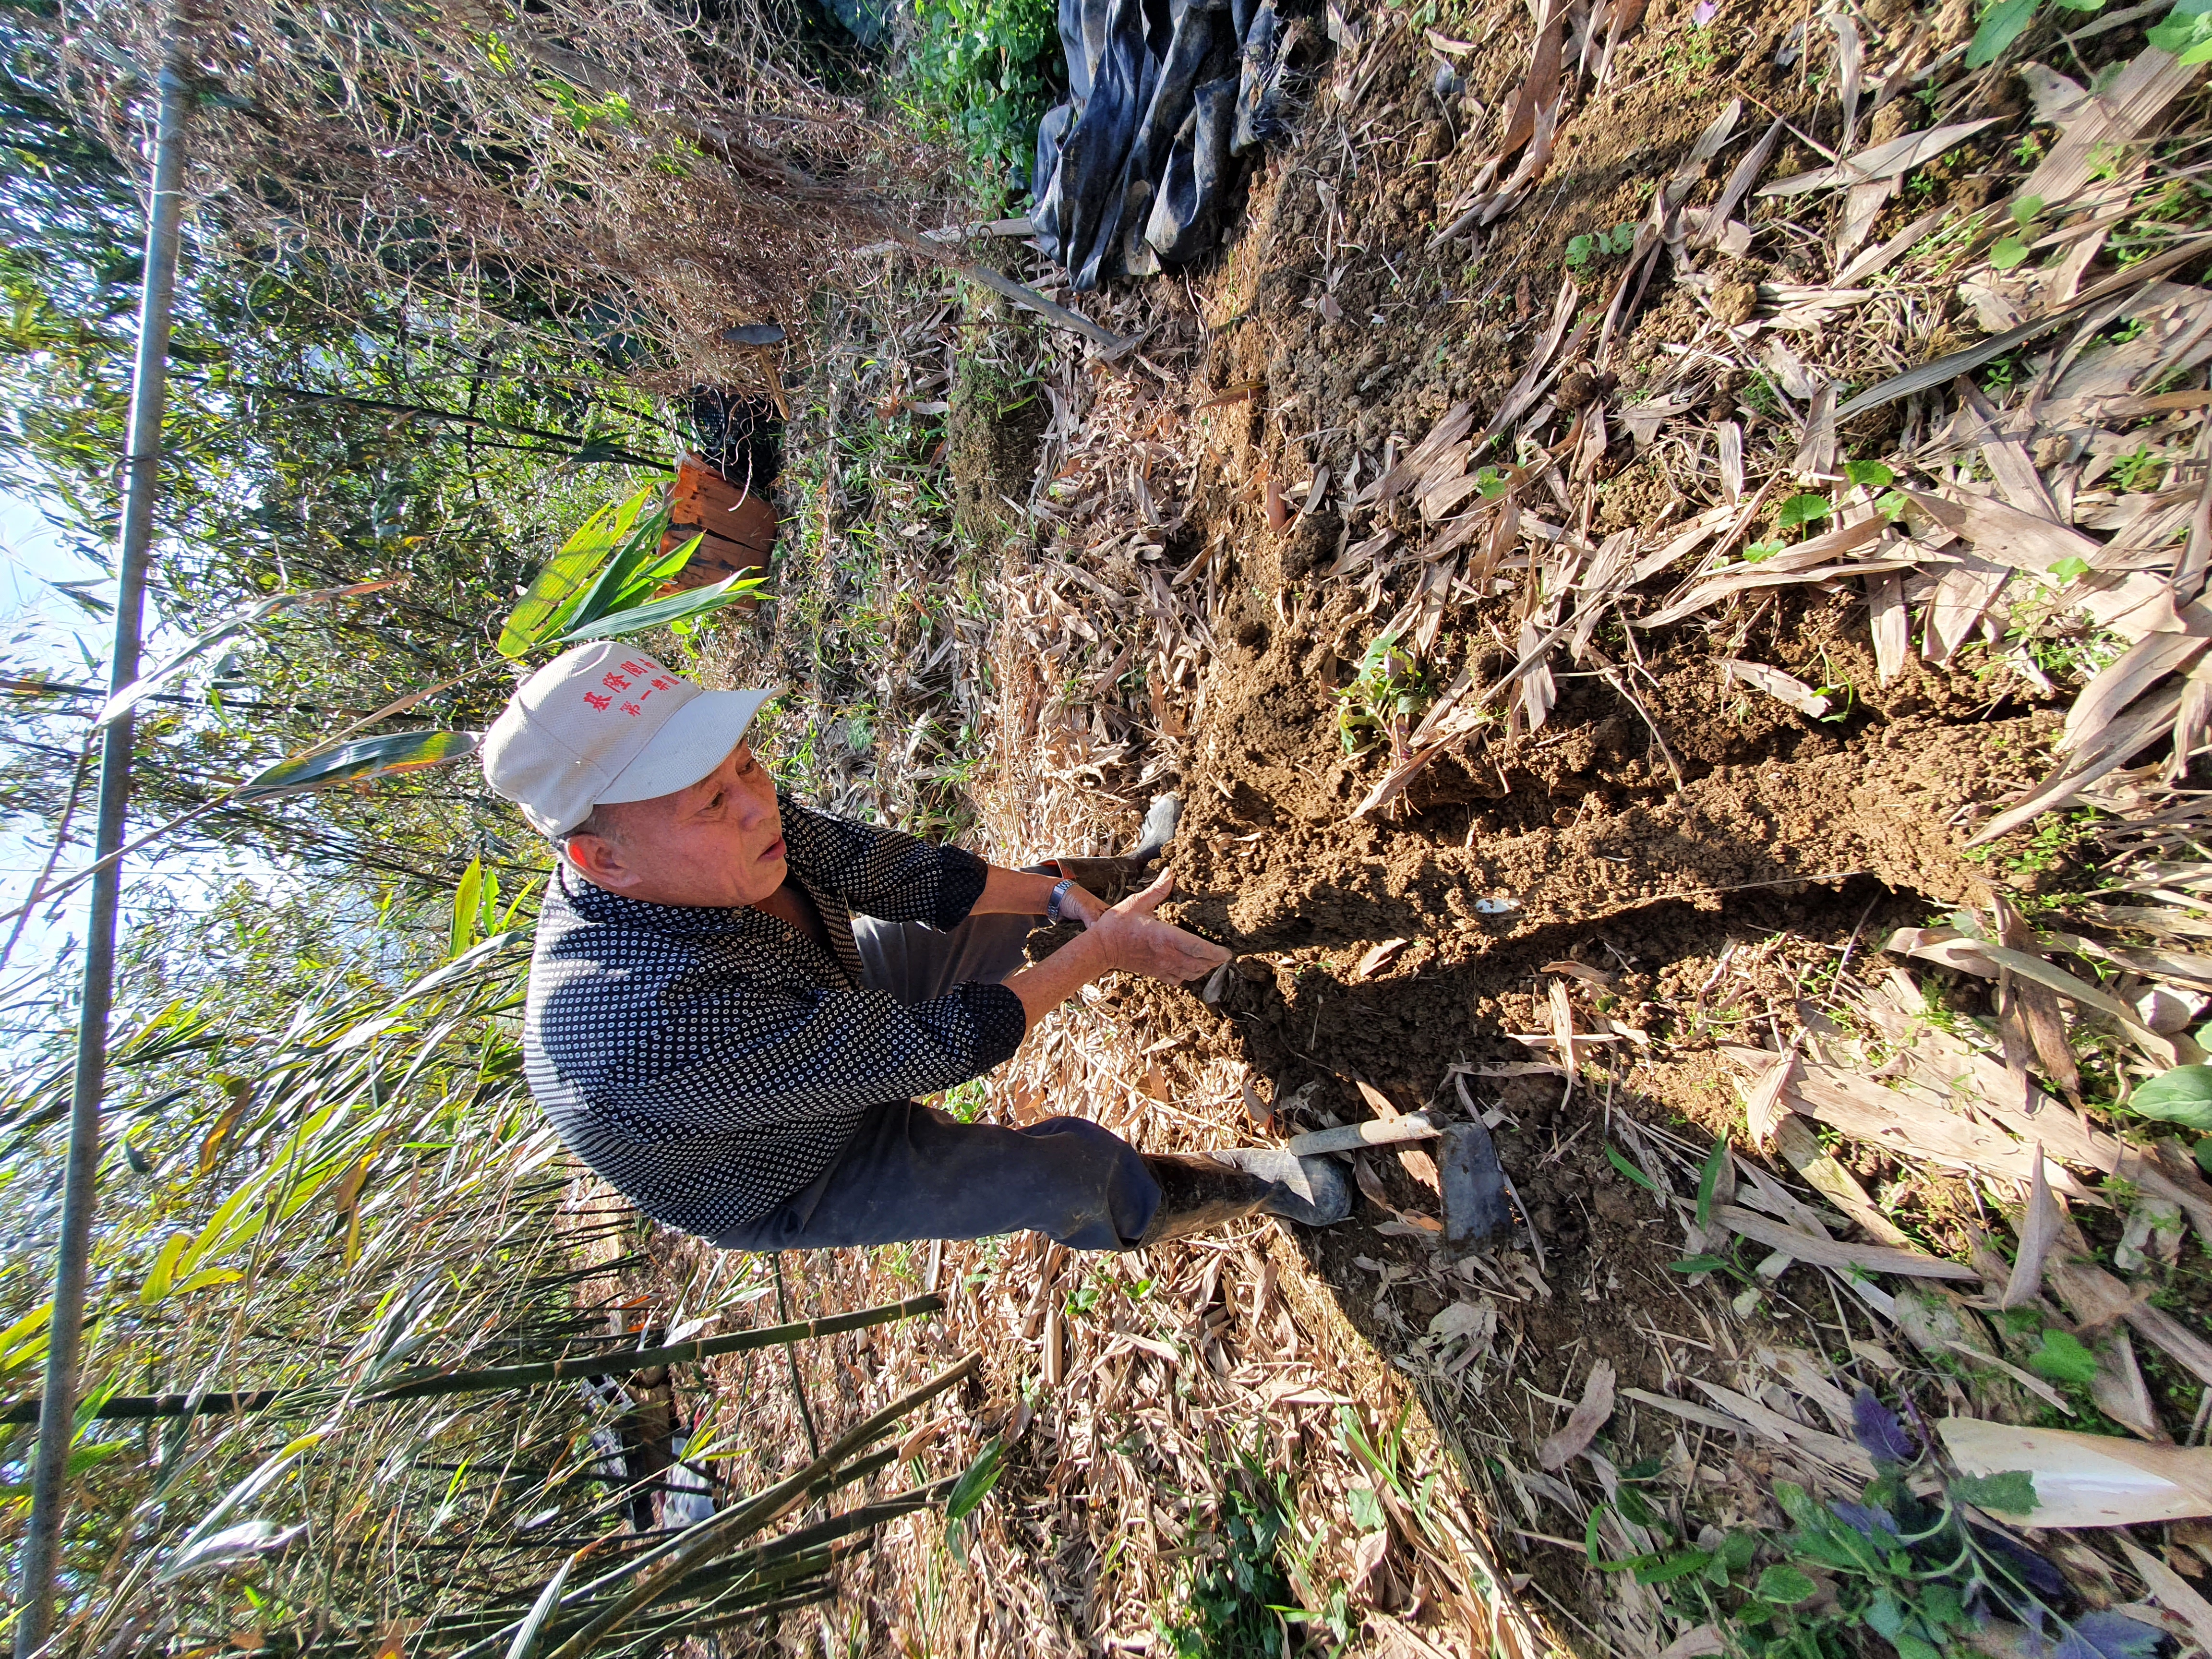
(1230, 1604)
(1385, 695)
(1917, 1570)
(600, 584)
(983, 73)
(2182, 1096)
(1801, 510)
(2187, 32)
(2005, 22)
(1600, 244)
(2137, 471)
(1612, 1156)
(2013, 249)
(1870, 476)
(2063, 1359)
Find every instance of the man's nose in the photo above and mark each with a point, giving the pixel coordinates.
(756, 805)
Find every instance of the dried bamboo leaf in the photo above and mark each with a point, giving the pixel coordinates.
(1936, 372)
(2039, 1228)
(2066, 985)
(1711, 591)
(1947, 947)
(2148, 660)
(1888, 622)
(1794, 1140)
(1997, 530)
(1786, 1432)
(2105, 122)
(1832, 1253)
(1762, 1102)
(2170, 1591)
(1887, 160)
(1782, 687)
(2118, 1390)
(1746, 175)
(1590, 1416)
(2086, 1480)
(2151, 719)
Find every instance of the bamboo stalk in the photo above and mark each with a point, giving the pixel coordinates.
(138, 1406)
(712, 1535)
(37, 1566)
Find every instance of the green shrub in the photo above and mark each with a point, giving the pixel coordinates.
(982, 73)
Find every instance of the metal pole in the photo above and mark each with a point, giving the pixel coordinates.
(35, 1584)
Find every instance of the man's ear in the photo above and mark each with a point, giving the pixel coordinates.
(599, 861)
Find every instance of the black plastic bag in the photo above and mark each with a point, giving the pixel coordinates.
(1165, 97)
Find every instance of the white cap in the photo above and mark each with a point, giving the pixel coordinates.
(605, 723)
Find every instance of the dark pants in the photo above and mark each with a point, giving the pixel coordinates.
(914, 1172)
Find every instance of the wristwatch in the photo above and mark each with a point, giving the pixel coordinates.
(1052, 904)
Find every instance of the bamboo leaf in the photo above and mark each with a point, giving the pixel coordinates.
(208, 1276)
(2001, 24)
(532, 1629)
(616, 578)
(976, 1483)
(30, 1325)
(679, 607)
(247, 1490)
(229, 1547)
(1613, 1157)
(361, 760)
(552, 596)
(468, 900)
(1709, 1180)
(129, 696)
(163, 1273)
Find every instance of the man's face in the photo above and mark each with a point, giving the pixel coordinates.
(718, 842)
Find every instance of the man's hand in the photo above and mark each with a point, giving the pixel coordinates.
(1128, 936)
(1138, 942)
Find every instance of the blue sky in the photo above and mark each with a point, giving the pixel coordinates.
(30, 550)
(42, 630)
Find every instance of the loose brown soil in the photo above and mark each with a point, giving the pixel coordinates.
(1665, 827)
(1705, 854)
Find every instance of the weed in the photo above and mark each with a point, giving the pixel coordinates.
(966, 1101)
(1383, 698)
(2053, 844)
(1229, 1604)
(2013, 249)
(1600, 244)
(1690, 58)
(1909, 1564)
(2138, 471)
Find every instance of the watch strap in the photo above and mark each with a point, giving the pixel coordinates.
(1059, 892)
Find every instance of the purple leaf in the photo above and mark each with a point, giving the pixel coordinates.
(2031, 1569)
(1877, 1427)
(1864, 1519)
(2107, 1636)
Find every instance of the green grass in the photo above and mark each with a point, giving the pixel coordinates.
(1228, 1603)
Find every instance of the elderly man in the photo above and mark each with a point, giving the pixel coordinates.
(734, 998)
